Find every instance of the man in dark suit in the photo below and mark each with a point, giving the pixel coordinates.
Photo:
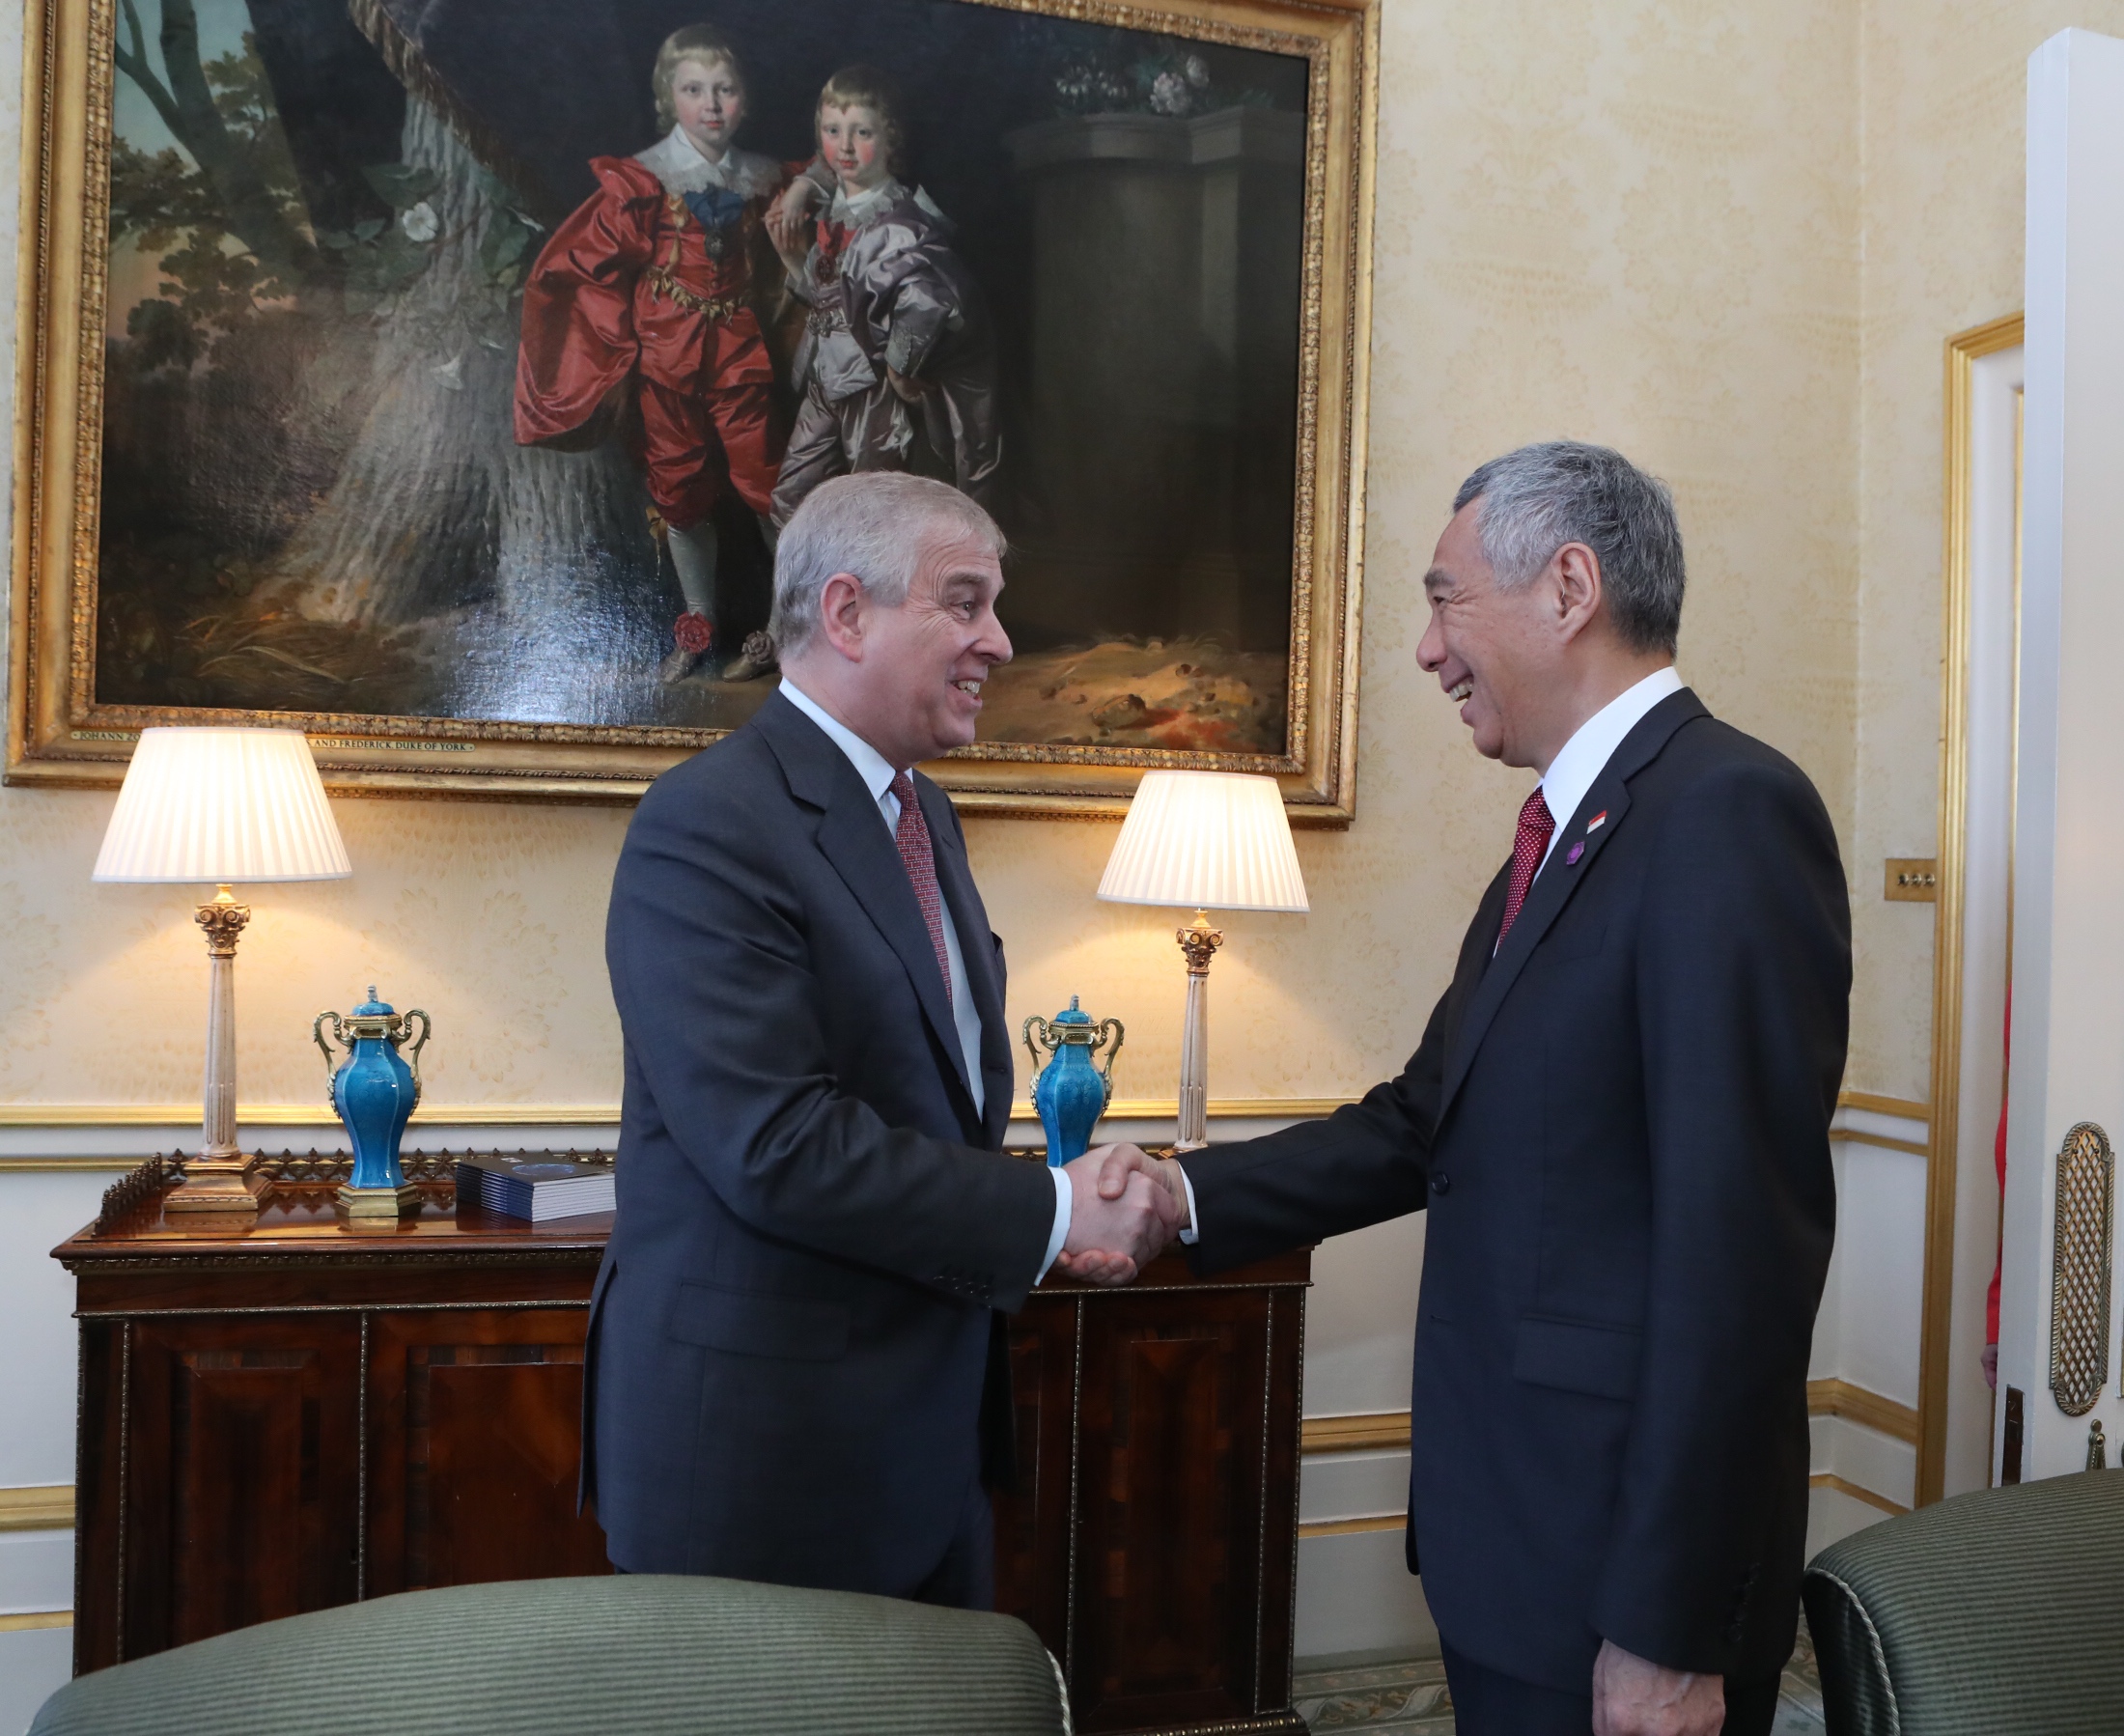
(795, 1367)
(1618, 1121)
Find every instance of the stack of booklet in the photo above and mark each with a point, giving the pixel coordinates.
(535, 1185)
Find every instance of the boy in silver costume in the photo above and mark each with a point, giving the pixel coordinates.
(897, 332)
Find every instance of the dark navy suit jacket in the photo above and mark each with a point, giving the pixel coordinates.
(795, 1367)
(1619, 1125)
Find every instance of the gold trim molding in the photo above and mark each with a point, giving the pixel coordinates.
(28, 1619)
(1908, 1109)
(67, 1166)
(295, 1114)
(1828, 1480)
(46, 1509)
(1374, 1432)
(281, 1114)
(1379, 1431)
(1869, 1409)
(1962, 353)
(1347, 1527)
(1122, 1108)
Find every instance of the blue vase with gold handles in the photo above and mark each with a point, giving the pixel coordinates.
(374, 1090)
(1070, 1093)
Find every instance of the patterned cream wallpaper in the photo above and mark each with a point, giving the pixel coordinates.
(1634, 223)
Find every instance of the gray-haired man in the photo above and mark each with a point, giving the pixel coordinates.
(1618, 1120)
(795, 1366)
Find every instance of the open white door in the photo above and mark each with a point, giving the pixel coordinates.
(2068, 939)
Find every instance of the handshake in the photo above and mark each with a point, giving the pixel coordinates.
(1125, 1206)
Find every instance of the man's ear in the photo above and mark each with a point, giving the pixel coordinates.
(840, 615)
(1580, 591)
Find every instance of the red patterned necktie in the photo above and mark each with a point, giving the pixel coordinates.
(1537, 825)
(912, 835)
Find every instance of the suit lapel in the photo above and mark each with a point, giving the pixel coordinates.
(1474, 957)
(1559, 878)
(970, 920)
(852, 838)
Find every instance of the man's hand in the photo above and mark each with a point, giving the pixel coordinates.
(1120, 1161)
(1634, 1698)
(1113, 1235)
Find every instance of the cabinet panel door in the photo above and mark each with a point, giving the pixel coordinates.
(1174, 1431)
(1033, 1516)
(475, 1432)
(242, 1472)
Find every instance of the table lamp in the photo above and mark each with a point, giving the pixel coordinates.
(216, 806)
(1209, 841)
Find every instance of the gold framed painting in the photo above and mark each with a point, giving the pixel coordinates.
(433, 376)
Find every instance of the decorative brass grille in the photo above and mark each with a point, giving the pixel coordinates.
(2080, 1271)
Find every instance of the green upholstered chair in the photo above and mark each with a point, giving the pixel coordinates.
(642, 1654)
(1999, 1614)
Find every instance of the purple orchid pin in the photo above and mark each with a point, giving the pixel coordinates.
(1577, 849)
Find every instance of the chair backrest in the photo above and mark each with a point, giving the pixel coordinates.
(1999, 1614)
(647, 1654)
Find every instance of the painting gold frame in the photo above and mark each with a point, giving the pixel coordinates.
(59, 735)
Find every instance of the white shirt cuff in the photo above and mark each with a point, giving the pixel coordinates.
(1192, 1234)
(1064, 1197)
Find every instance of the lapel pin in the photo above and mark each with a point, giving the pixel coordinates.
(1577, 849)
(1595, 824)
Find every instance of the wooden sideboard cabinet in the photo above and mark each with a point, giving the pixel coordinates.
(286, 1414)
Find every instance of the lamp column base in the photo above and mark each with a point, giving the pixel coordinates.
(220, 1183)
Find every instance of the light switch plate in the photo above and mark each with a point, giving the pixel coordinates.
(1913, 879)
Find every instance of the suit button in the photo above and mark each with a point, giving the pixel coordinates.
(1441, 1184)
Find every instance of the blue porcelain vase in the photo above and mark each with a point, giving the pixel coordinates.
(1070, 1093)
(375, 1089)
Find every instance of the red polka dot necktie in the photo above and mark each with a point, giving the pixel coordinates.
(1537, 825)
(912, 835)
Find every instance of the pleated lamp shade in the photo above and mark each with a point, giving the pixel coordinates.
(1206, 840)
(216, 806)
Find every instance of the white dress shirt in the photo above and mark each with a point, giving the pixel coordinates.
(1585, 756)
(877, 773)
(1563, 786)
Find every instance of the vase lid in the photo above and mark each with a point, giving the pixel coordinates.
(1071, 1017)
(375, 1018)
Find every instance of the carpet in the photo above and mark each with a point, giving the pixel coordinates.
(1384, 1695)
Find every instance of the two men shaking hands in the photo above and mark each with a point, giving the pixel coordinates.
(1617, 1117)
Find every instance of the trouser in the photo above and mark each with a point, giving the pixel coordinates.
(965, 1578)
(874, 429)
(692, 440)
(1486, 1703)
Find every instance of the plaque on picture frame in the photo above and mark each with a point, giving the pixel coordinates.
(277, 464)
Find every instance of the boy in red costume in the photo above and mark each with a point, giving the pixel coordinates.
(649, 289)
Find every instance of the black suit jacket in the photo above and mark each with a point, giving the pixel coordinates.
(1619, 1125)
(794, 1324)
